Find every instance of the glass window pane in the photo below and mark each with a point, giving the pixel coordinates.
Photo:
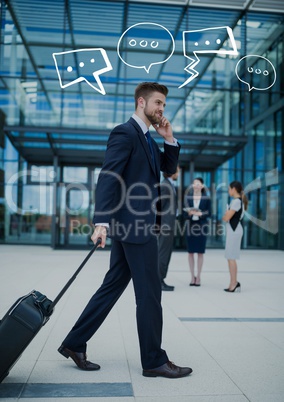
(75, 174)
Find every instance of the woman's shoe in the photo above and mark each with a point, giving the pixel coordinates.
(193, 283)
(237, 288)
(197, 283)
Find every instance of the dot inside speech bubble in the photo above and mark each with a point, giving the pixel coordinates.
(256, 72)
(147, 37)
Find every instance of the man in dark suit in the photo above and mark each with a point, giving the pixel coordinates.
(127, 204)
(168, 220)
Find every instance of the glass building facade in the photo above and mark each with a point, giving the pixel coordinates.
(228, 117)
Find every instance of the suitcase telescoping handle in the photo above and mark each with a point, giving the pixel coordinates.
(72, 279)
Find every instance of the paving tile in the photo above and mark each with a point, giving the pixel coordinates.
(79, 390)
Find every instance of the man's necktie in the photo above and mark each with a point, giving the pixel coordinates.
(149, 140)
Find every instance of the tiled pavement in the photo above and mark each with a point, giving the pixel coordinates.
(233, 342)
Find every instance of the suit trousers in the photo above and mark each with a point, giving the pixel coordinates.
(139, 262)
(165, 252)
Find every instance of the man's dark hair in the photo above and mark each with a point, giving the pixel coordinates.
(145, 90)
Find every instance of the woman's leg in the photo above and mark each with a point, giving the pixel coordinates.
(191, 266)
(200, 259)
(233, 273)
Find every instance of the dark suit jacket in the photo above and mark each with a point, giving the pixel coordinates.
(128, 186)
(204, 206)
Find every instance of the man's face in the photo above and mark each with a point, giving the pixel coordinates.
(154, 107)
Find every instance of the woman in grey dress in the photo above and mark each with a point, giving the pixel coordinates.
(234, 232)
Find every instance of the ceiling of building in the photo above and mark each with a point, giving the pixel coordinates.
(68, 73)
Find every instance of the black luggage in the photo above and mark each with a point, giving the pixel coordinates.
(24, 320)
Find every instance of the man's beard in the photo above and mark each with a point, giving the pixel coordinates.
(153, 118)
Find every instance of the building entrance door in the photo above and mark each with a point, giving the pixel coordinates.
(78, 218)
(76, 200)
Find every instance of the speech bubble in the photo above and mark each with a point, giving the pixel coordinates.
(204, 41)
(91, 64)
(257, 72)
(134, 38)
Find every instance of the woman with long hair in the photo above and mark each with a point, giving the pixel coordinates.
(198, 209)
(234, 231)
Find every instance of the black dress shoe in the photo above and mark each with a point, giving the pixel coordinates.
(79, 358)
(166, 287)
(168, 370)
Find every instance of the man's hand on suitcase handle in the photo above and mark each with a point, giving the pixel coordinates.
(100, 232)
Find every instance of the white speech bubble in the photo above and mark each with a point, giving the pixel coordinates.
(153, 44)
(206, 47)
(259, 72)
(92, 55)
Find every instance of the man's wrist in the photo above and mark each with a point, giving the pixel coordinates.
(172, 141)
(106, 225)
(169, 139)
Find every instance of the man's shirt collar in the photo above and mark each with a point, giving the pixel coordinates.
(141, 123)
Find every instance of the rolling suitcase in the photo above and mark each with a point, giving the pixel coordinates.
(24, 320)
